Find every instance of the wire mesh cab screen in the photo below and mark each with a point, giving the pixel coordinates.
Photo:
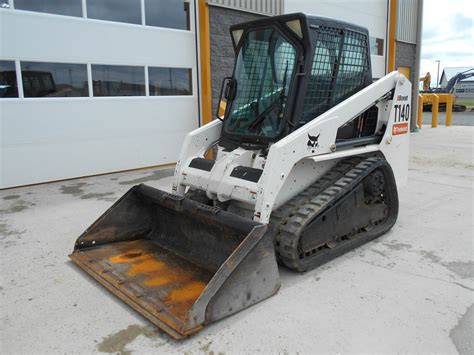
(340, 66)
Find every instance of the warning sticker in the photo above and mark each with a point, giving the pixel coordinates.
(400, 128)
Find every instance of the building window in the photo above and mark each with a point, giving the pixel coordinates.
(167, 13)
(118, 80)
(128, 11)
(8, 84)
(170, 81)
(58, 7)
(54, 79)
(376, 46)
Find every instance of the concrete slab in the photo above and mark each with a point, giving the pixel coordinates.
(412, 290)
(459, 118)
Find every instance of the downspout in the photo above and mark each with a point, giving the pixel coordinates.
(205, 61)
(392, 30)
(417, 64)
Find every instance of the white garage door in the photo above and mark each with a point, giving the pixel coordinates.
(94, 86)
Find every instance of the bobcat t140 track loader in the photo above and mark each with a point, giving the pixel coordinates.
(309, 152)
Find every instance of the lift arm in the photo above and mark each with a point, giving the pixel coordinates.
(284, 154)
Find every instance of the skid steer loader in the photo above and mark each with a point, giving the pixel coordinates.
(309, 152)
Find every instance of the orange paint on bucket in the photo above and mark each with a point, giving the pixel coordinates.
(188, 292)
(147, 266)
(157, 281)
(126, 258)
(142, 264)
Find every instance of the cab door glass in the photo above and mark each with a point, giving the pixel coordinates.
(264, 68)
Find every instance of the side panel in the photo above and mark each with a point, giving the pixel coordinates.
(396, 142)
(255, 279)
(303, 174)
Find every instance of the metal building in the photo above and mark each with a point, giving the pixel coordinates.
(96, 86)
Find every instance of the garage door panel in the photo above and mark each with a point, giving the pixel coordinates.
(28, 163)
(45, 37)
(37, 121)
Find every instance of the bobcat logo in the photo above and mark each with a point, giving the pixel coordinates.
(313, 141)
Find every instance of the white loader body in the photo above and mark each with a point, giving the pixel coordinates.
(293, 163)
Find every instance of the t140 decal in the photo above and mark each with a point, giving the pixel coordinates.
(401, 119)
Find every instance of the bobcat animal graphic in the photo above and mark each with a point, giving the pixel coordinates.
(313, 141)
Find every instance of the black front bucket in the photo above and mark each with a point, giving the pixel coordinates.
(179, 263)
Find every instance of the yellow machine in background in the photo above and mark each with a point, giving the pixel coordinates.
(445, 94)
(426, 79)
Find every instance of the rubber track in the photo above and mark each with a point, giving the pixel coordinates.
(280, 216)
(291, 219)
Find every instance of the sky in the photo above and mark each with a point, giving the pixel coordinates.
(448, 35)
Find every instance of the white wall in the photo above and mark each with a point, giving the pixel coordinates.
(464, 91)
(371, 14)
(45, 139)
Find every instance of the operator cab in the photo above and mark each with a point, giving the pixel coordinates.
(288, 70)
